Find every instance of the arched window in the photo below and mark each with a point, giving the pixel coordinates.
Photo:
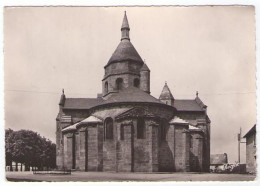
(109, 128)
(140, 128)
(136, 82)
(106, 87)
(119, 83)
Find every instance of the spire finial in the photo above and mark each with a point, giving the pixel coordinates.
(197, 94)
(125, 28)
(63, 91)
(165, 82)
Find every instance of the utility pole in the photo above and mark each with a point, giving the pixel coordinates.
(239, 141)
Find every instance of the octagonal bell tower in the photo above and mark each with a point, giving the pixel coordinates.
(124, 67)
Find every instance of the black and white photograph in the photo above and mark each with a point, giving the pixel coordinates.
(130, 93)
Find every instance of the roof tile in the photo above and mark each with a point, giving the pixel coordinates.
(125, 51)
(186, 105)
(81, 103)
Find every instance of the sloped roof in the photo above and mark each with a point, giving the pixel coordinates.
(90, 119)
(132, 94)
(252, 130)
(71, 127)
(166, 93)
(200, 103)
(178, 120)
(191, 127)
(104, 113)
(218, 159)
(125, 22)
(81, 103)
(125, 51)
(186, 105)
(144, 68)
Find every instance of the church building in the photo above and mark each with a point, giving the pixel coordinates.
(125, 129)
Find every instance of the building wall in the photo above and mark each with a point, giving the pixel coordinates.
(75, 116)
(196, 151)
(199, 119)
(145, 81)
(127, 70)
(83, 149)
(181, 155)
(60, 144)
(125, 147)
(251, 153)
(152, 154)
(167, 149)
(68, 152)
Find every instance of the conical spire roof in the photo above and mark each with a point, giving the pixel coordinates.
(166, 93)
(125, 50)
(125, 22)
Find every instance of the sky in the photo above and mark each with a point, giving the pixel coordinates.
(209, 49)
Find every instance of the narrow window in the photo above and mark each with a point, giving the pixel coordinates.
(140, 128)
(106, 87)
(119, 83)
(109, 128)
(136, 82)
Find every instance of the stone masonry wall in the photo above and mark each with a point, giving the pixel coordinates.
(153, 145)
(200, 119)
(77, 150)
(141, 151)
(92, 148)
(109, 152)
(68, 150)
(100, 133)
(167, 150)
(250, 154)
(181, 152)
(127, 70)
(125, 148)
(60, 144)
(196, 151)
(145, 81)
(82, 149)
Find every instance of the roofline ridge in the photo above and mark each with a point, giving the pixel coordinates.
(200, 103)
(185, 99)
(81, 98)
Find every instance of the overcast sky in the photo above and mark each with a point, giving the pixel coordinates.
(205, 49)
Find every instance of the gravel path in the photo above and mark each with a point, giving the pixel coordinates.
(111, 176)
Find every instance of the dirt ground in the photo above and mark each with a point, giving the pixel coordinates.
(110, 176)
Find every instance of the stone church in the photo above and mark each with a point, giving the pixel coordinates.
(125, 129)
